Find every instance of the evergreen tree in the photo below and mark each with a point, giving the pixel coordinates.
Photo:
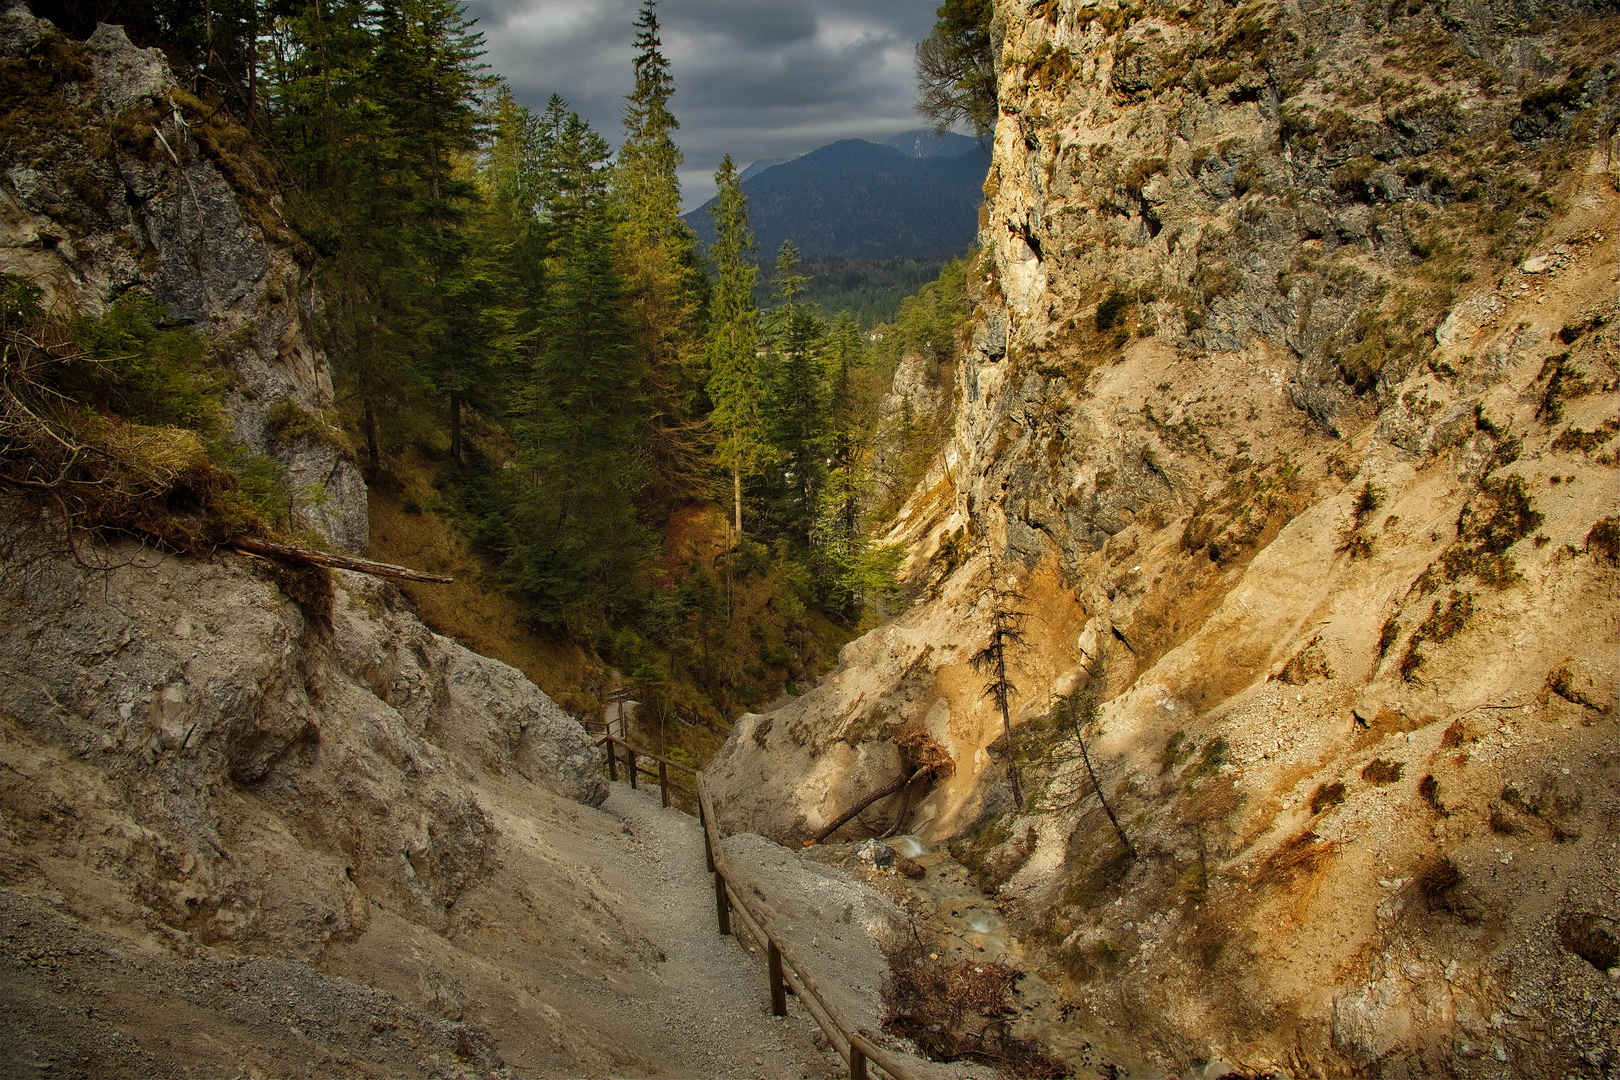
(648, 189)
(582, 403)
(795, 407)
(734, 377)
(337, 141)
(430, 77)
(659, 258)
(956, 68)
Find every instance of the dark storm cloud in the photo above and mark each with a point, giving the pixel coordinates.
(754, 78)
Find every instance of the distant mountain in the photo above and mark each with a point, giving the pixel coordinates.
(859, 199)
(760, 166)
(924, 143)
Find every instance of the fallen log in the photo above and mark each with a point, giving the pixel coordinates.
(864, 803)
(270, 549)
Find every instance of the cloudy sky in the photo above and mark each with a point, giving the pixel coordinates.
(753, 78)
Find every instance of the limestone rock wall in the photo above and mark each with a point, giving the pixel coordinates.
(108, 188)
(245, 776)
(1288, 409)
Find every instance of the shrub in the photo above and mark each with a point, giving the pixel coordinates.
(1381, 772)
(1603, 541)
(1111, 309)
(1326, 795)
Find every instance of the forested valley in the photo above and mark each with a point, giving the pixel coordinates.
(661, 485)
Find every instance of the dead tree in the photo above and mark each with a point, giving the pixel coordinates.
(1078, 709)
(1006, 629)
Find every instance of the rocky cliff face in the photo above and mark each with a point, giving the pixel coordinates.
(117, 180)
(1288, 410)
(258, 778)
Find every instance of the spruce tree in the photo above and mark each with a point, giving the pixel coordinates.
(795, 408)
(430, 79)
(659, 260)
(649, 191)
(734, 377)
(581, 398)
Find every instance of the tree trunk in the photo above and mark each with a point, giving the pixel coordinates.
(1095, 786)
(371, 444)
(455, 427)
(1012, 757)
(864, 803)
(257, 546)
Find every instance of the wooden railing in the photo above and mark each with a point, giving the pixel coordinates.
(632, 762)
(785, 971)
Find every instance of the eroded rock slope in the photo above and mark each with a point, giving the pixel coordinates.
(1288, 410)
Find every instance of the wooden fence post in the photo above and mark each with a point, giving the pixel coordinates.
(663, 782)
(857, 1062)
(722, 904)
(613, 759)
(634, 786)
(778, 991)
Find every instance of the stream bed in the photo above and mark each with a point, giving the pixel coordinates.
(953, 920)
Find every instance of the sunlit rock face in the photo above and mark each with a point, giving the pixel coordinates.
(1287, 406)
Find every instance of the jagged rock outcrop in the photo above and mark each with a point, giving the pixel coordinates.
(1287, 406)
(116, 181)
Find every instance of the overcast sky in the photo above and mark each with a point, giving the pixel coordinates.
(753, 78)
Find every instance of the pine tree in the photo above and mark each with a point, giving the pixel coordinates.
(1006, 630)
(795, 407)
(659, 259)
(582, 398)
(337, 140)
(429, 75)
(734, 377)
(649, 191)
(956, 68)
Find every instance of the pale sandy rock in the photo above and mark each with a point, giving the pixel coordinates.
(1180, 513)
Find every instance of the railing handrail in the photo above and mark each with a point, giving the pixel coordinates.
(785, 966)
(639, 752)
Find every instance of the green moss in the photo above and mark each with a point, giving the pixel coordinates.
(1210, 760)
(289, 424)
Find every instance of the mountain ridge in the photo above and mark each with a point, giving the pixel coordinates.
(860, 199)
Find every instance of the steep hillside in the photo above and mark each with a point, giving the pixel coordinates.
(1288, 418)
(120, 183)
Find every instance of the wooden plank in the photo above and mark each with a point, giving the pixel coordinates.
(722, 905)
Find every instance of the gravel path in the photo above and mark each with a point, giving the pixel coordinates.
(713, 1012)
(636, 982)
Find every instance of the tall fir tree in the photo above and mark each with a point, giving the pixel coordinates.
(430, 78)
(734, 376)
(583, 399)
(795, 406)
(649, 191)
(658, 255)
